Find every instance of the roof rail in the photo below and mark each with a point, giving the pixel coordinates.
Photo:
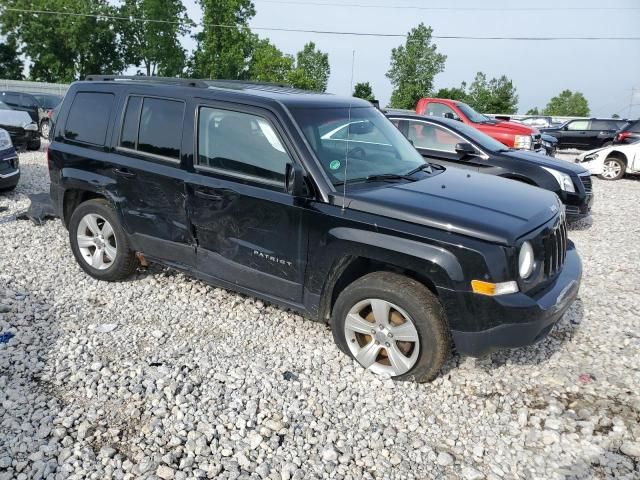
(187, 82)
(250, 83)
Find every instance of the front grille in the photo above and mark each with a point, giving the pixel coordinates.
(555, 249)
(586, 182)
(536, 141)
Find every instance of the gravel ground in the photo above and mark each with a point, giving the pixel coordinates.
(163, 376)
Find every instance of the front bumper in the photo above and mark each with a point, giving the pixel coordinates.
(578, 206)
(9, 169)
(594, 167)
(521, 319)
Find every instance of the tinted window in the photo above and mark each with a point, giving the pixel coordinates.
(578, 125)
(129, 134)
(433, 137)
(634, 127)
(89, 117)
(603, 125)
(240, 143)
(440, 110)
(11, 99)
(161, 127)
(29, 101)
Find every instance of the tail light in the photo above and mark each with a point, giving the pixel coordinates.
(622, 135)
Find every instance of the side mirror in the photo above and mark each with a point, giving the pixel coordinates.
(464, 150)
(565, 128)
(295, 184)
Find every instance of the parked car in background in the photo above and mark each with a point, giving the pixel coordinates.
(549, 144)
(240, 185)
(47, 102)
(511, 134)
(9, 163)
(22, 129)
(22, 102)
(539, 121)
(453, 144)
(612, 162)
(630, 133)
(586, 134)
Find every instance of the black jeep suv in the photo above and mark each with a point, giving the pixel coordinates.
(260, 189)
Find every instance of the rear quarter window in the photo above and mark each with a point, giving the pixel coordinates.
(88, 118)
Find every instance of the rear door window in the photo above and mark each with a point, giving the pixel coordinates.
(88, 118)
(153, 126)
(603, 125)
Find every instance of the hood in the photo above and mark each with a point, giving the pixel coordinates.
(473, 204)
(14, 118)
(506, 127)
(544, 161)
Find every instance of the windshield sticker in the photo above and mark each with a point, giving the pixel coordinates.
(335, 165)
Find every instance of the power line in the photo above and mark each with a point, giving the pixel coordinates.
(301, 30)
(473, 9)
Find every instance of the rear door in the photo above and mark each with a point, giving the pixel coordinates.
(147, 166)
(250, 231)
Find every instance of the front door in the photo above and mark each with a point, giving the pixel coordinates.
(437, 144)
(250, 231)
(576, 134)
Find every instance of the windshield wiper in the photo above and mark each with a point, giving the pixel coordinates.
(388, 176)
(424, 167)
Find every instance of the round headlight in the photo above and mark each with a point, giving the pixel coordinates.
(525, 260)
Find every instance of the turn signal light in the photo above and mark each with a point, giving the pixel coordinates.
(493, 289)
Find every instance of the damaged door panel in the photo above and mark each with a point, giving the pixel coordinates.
(249, 230)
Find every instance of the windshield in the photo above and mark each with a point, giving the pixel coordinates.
(48, 101)
(481, 139)
(472, 115)
(354, 147)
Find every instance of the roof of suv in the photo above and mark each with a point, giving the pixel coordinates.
(285, 94)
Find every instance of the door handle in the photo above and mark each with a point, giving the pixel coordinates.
(123, 172)
(207, 196)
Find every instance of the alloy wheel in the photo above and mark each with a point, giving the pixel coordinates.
(97, 241)
(382, 337)
(611, 169)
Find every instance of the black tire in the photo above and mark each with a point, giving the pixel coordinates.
(415, 299)
(125, 262)
(621, 164)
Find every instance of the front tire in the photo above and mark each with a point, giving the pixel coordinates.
(613, 169)
(392, 325)
(44, 130)
(99, 243)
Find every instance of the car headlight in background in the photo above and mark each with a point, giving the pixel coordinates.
(589, 158)
(563, 180)
(522, 142)
(32, 127)
(5, 140)
(525, 261)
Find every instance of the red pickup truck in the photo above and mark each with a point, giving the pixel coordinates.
(512, 134)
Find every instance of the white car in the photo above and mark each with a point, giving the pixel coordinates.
(612, 162)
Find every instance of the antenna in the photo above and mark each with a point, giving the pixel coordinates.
(346, 151)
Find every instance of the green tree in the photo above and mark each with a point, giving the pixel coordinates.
(154, 45)
(64, 48)
(568, 104)
(413, 68)
(10, 64)
(364, 90)
(454, 93)
(311, 70)
(224, 52)
(269, 64)
(533, 111)
(497, 95)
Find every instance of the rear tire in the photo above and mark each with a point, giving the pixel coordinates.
(614, 169)
(392, 325)
(99, 243)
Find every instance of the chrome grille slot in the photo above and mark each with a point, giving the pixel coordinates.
(555, 249)
(586, 182)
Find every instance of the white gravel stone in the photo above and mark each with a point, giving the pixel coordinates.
(225, 386)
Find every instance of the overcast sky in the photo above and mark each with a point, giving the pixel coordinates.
(605, 71)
